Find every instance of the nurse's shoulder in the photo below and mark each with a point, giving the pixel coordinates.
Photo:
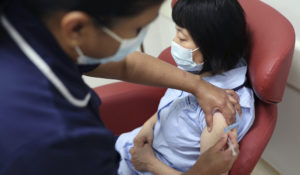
(41, 132)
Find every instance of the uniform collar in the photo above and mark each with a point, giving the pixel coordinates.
(231, 79)
(36, 34)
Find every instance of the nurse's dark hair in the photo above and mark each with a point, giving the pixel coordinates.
(218, 28)
(103, 11)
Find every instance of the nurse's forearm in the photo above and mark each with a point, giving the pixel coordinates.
(145, 69)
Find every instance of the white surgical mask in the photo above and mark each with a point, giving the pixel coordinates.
(184, 58)
(127, 46)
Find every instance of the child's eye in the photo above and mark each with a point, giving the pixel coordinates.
(181, 40)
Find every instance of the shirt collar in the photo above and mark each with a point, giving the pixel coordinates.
(231, 79)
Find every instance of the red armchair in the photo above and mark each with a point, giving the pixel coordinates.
(126, 106)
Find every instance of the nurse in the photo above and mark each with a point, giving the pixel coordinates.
(49, 118)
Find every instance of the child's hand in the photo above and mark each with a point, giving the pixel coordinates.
(142, 157)
(145, 136)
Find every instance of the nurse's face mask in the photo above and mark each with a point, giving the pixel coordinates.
(184, 58)
(126, 47)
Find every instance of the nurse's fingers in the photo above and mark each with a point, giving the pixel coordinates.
(209, 121)
(234, 99)
(235, 105)
(230, 112)
(235, 144)
(233, 94)
(233, 139)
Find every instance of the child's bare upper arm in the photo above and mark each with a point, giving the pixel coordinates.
(208, 139)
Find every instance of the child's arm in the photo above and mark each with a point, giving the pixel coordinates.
(146, 133)
(143, 151)
(215, 160)
(159, 168)
(144, 160)
(208, 139)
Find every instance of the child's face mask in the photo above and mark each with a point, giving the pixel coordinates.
(184, 58)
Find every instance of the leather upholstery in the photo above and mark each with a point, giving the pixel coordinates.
(126, 106)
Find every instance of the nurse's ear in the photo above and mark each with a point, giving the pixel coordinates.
(74, 26)
(77, 29)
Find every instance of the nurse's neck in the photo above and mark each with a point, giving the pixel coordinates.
(206, 74)
(54, 24)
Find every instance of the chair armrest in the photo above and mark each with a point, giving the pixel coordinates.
(126, 106)
(254, 143)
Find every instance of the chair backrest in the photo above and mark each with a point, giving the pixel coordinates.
(273, 41)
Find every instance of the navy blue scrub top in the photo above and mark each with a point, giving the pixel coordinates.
(41, 133)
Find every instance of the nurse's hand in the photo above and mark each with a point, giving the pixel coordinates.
(213, 99)
(216, 160)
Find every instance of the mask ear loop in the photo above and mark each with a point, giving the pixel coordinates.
(79, 51)
(195, 49)
(193, 52)
(112, 34)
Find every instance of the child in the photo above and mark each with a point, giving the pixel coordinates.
(212, 41)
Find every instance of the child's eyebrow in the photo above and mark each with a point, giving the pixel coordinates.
(184, 34)
(181, 31)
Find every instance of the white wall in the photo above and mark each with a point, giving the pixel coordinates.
(282, 151)
(161, 31)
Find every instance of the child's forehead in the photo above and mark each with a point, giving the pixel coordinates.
(179, 28)
(182, 30)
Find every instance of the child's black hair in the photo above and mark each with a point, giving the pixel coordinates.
(218, 28)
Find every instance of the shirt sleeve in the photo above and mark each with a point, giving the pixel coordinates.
(201, 120)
